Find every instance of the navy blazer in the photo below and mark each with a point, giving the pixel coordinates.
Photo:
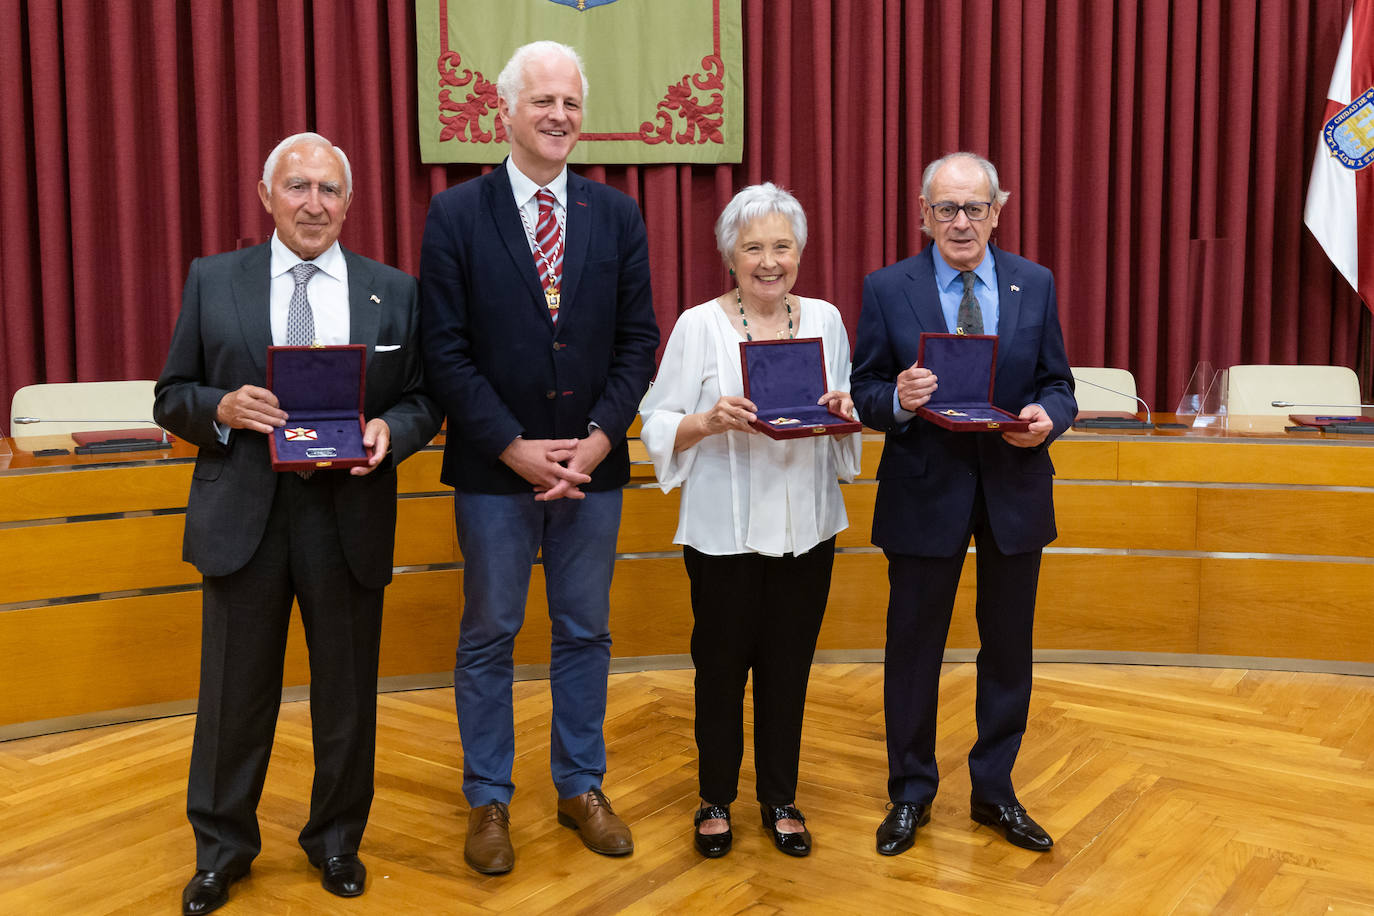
(220, 343)
(495, 361)
(928, 476)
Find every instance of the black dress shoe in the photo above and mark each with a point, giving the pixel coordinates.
(794, 844)
(898, 830)
(206, 892)
(1014, 822)
(712, 845)
(343, 876)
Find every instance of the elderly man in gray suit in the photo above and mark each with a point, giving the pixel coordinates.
(262, 538)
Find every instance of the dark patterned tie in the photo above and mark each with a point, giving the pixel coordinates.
(970, 313)
(300, 319)
(548, 251)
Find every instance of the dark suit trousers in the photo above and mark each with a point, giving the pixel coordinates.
(764, 613)
(920, 604)
(243, 643)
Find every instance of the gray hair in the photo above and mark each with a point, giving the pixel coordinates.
(999, 196)
(511, 81)
(269, 167)
(755, 202)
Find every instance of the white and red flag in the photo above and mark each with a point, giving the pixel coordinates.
(1340, 195)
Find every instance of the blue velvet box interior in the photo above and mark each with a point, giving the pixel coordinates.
(321, 390)
(784, 379)
(963, 365)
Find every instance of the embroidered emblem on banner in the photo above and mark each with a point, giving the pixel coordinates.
(582, 5)
(1349, 135)
(300, 432)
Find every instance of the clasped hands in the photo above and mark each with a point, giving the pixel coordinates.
(915, 386)
(251, 407)
(557, 467)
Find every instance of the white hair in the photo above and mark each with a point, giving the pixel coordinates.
(269, 167)
(755, 202)
(999, 196)
(511, 81)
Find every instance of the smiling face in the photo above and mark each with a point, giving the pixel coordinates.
(765, 260)
(308, 199)
(546, 120)
(962, 241)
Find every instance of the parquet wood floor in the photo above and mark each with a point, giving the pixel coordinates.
(1168, 790)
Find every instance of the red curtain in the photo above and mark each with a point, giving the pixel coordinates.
(1157, 152)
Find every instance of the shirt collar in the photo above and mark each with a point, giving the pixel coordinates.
(946, 275)
(524, 187)
(283, 259)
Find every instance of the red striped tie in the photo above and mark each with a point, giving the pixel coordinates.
(548, 251)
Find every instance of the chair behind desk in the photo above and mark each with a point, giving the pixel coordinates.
(123, 404)
(1251, 389)
(1091, 384)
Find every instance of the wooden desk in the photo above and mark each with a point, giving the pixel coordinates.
(1244, 544)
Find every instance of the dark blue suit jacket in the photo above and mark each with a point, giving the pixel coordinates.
(494, 360)
(927, 475)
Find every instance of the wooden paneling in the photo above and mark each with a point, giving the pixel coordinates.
(1077, 459)
(1310, 463)
(1117, 603)
(1337, 524)
(1288, 610)
(425, 532)
(420, 472)
(93, 492)
(85, 558)
(1120, 516)
(648, 520)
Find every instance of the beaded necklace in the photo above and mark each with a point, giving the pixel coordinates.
(745, 321)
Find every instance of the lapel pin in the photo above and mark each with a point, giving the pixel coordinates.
(374, 298)
(1014, 289)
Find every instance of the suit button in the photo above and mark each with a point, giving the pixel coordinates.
(551, 395)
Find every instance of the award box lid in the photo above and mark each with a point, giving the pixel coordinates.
(964, 365)
(785, 379)
(321, 390)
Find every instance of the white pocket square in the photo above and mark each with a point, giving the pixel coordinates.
(386, 348)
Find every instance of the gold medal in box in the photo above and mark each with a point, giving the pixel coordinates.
(785, 379)
(964, 365)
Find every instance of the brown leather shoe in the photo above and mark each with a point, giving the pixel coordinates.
(591, 816)
(488, 846)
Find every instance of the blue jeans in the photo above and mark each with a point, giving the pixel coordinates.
(500, 536)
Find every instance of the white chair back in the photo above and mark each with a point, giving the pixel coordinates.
(1251, 389)
(60, 405)
(1091, 384)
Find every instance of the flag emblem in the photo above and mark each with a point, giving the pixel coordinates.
(300, 432)
(583, 5)
(1349, 135)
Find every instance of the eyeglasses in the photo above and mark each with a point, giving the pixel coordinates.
(945, 211)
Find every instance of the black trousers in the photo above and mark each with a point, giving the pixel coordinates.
(244, 622)
(920, 604)
(764, 613)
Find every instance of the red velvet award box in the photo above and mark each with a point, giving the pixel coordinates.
(963, 365)
(321, 390)
(785, 379)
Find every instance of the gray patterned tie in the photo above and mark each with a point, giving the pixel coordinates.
(300, 320)
(970, 317)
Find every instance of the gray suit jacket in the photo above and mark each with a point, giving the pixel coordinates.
(220, 343)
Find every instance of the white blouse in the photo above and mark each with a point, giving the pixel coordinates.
(743, 492)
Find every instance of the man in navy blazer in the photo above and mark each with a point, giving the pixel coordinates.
(261, 538)
(938, 488)
(539, 341)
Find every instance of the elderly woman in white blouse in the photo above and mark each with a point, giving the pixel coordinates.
(758, 516)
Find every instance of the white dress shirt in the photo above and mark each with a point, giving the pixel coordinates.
(327, 291)
(524, 190)
(743, 492)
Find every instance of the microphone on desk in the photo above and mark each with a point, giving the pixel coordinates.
(116, 444)
(1114, 422)
(1323, 406)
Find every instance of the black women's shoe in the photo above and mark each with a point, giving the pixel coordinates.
(712, 845)
(794, 844)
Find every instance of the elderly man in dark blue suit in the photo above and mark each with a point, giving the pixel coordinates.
(938, 488)
(539, 331)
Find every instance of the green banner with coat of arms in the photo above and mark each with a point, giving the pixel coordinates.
(665, 77)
